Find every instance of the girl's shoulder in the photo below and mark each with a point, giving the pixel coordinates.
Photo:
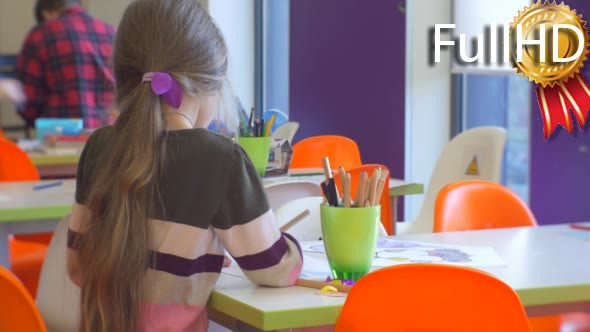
(201, 142)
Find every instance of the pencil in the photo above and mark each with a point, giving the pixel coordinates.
(251, 117)
(342, 174)
(318, 284)
(381, 185)
(373, 186)
(360, 192)
(294, 221)
(269, 124)
(333, 193)
(327, 169)
(48, 185)
(324, 186)
(347, 191)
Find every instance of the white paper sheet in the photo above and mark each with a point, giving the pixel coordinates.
(313, 268)
(392, 252)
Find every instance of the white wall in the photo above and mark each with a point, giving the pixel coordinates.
(235, 18)
(110, 11)
(16, 20)
(428, 96)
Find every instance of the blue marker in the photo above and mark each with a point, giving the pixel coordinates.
(48, 185)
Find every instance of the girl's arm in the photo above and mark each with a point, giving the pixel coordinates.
(247, 228)
(75, 230)
(265, 255)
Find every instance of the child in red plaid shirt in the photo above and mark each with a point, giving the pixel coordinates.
(65, 66)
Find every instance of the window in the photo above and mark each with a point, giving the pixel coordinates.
(272, 56)
(503, 101)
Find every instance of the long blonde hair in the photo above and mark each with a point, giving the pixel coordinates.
(179, 38)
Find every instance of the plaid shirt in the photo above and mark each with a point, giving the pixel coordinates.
(65, 69)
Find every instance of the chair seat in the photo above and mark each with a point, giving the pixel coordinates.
(26, 260)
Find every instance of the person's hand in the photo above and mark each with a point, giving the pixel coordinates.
(13, 90)
(226, 261)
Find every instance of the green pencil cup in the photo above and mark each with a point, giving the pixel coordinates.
(350, 238)
(257, 149)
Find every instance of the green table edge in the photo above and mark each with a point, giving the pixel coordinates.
(408, 189)
(553, 295)
(328, 315)
(274, 320)
(45, 160)
(38, 213)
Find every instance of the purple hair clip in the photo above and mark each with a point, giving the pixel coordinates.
(164, 85)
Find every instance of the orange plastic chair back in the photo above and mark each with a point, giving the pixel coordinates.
(431, 297)
(17, 308)
(385, 200)
(15, 165)
(342, 151)
(478, 204)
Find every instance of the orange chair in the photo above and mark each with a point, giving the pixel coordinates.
(477, 204)
(385, 201)
(17, 308)
(26, 251)
(431, 297)
(342, 151)
(15, 165)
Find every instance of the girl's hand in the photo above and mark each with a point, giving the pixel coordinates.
(226, 261)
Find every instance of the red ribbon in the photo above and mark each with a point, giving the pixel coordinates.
(557, 101)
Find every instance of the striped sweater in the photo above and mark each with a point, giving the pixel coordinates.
(213, 200)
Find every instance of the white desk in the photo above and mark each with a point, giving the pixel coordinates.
(397, 187)
(24, 210)
(547, 266)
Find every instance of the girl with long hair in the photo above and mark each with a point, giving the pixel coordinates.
(159, 197)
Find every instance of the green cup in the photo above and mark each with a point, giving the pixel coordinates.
(257, 149)
(350, 238)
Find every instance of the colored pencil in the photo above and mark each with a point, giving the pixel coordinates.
(360, 192)
(580, 227)
(318, 284)
(269, 125)
(48, 185)
(294, 221)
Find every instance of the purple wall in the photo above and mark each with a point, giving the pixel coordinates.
(347, 75)
(560, 165)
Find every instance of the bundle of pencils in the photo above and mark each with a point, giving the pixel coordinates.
(368, 192)
(256, 127)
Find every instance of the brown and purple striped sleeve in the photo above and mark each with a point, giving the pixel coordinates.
(246, 226)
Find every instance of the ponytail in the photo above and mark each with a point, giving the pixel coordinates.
(114, 252)
(175, 37)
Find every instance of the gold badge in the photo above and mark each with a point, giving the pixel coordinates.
(549, 73)
(550, 49)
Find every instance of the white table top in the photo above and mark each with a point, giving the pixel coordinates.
(393, 183)
(548, 266)
(20, 201)
(23, 194)
(16, 197)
